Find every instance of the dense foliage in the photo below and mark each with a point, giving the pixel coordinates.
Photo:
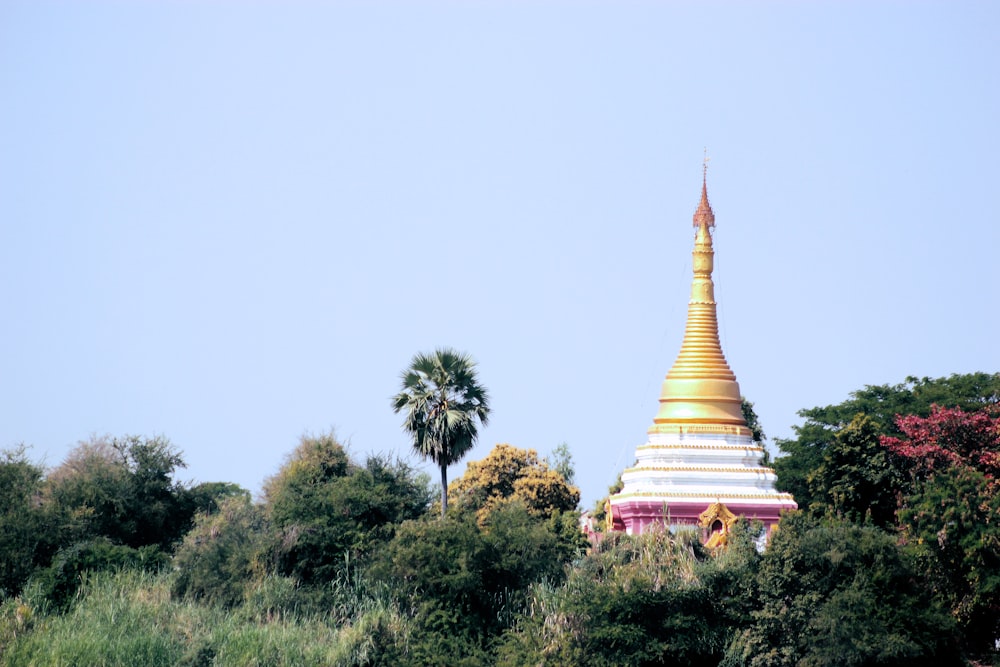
(919, 461)
(647, 600)
(893, 558)
(326, 509)
(831, 592)
(881, 403)
(21, 520)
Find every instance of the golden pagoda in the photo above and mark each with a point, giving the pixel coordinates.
(700, 459)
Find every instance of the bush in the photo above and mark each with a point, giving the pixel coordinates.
(219, 555)
(639, 600)
(465, 581)
(325, 507)
(59, 582)
(122, 489)
(834, 593)
(22, 529)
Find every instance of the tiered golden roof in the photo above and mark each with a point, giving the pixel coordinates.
(700, 391)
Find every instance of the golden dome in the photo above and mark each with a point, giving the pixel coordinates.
(700, 392)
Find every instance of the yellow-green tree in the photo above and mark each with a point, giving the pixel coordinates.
(512, 474)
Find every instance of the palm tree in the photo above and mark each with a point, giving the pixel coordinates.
(443, 400)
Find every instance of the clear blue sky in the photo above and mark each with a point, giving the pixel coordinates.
(232, 223)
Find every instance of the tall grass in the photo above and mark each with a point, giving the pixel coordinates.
(128, 618)
(118, 619)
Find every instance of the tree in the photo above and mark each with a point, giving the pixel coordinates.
(21, 521)
(561, 460)
(59, 582)
(327, 508)
(753, 422)
(834, 593)
(859, 479)
(88, 490)
(216, 560)
(881, 403)
(509, 473)
(949, 437)
(159, 509)
(650, 599)
(464, 581)
(950, 516)
(122, 489)
(443, 401)
(950, 524)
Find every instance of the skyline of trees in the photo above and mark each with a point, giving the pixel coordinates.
(893, 560)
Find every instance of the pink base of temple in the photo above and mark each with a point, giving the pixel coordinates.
(637, 516)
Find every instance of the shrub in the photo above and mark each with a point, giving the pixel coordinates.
(59, 582)
(218, 556)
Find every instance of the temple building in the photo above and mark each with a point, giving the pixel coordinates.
(700, 466)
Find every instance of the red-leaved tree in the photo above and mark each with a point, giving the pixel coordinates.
(949, 437)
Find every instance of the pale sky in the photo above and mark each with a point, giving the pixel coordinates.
(232, 223)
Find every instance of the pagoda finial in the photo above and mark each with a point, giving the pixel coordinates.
(701, 388)
(704, 214)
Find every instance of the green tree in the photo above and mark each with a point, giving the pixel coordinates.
(859, 479)
(651, 599)
(219, 556)
(833, 593)
(327, 508)
(59, 582)
(951, 525)
(753, 422)
(122, 489)
(208, 497)
(464, 581)
(442, 400)
(88, 491)
(561, 460)
(22, 525)
(914, 396)
(159, 510)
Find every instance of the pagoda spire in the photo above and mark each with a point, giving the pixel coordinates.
(704, 214)
(700, 388)
(699, 466)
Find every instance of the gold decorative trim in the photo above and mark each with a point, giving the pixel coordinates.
(711, 429)
(726, 447)
(755, 471)
(748, 496)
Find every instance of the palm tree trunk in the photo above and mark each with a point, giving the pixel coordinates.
(444, 489)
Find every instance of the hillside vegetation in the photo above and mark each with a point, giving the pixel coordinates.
(892, 559)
